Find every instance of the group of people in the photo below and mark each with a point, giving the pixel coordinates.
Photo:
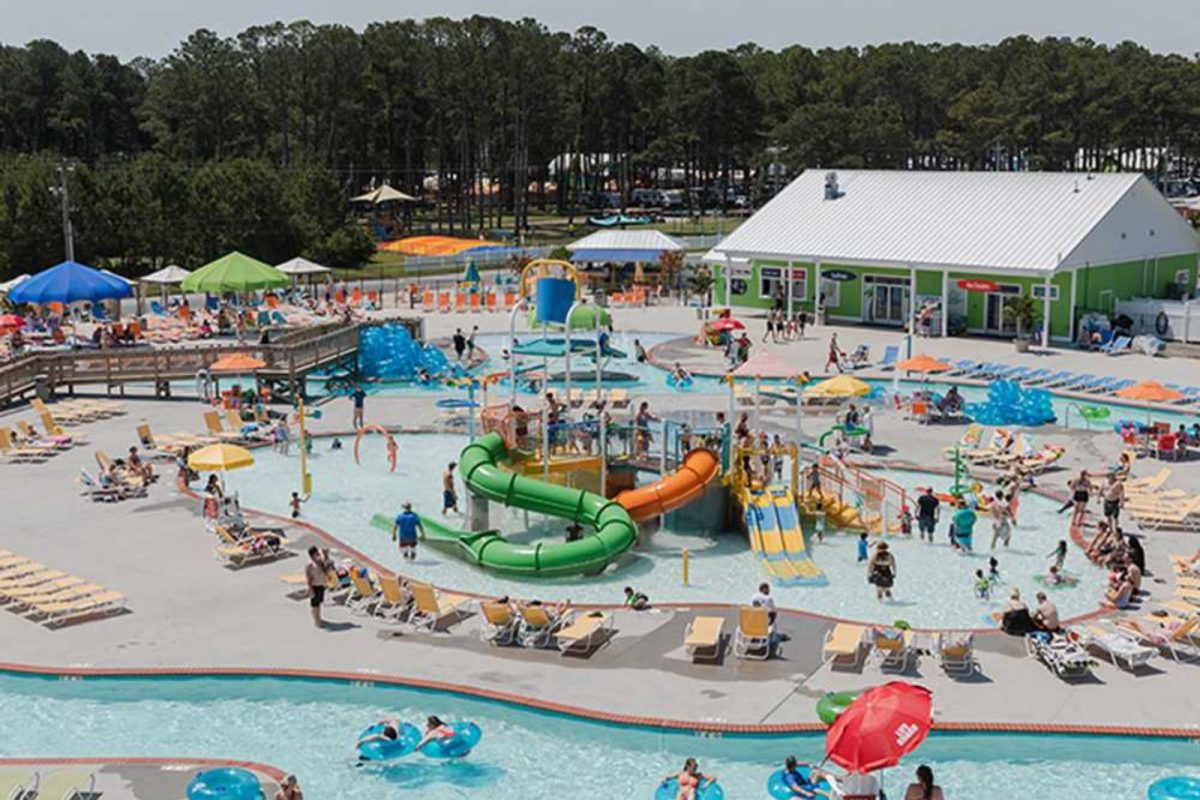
(784, 328)
(804, 780)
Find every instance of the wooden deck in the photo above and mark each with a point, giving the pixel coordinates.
(291, 357)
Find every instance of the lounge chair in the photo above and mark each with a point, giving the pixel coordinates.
(35, 439)
(704, 637)
(1076, 381)
(60, 612)
(539, 624)
(52, 596)
(363, 595)
(1173, 634)
(252, 549)
(1064, 657)
(956, 653)
(24, 454)
(43, 576)
(753, 637)
(500, 625)
(1037, 375)
(395, 602)
(1121, 648)
(430, 608)
(212, 421)
(1063, 378)
(584, 632)
(1184, 516)
(17, 783)
(1117, 346)
(844, 642)
(890, 647)
(891, 355)
(998, 446)
(970, 440)
(66, 784)
(618, 398)
(44, 589)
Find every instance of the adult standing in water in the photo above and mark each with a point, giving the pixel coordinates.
(1114, 498)
(404, 531)
(924, 788)
(359, 396)
(460, 344)
(449, 497)
(1001, 513)
(881, 571)
(927, 513)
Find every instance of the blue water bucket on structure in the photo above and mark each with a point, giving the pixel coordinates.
(555, 296)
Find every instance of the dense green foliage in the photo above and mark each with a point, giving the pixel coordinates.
(257, 141)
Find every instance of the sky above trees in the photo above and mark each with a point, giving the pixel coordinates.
(130, 28)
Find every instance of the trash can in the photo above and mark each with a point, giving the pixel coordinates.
(42, 388)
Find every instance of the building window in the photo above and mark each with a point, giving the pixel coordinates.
(1181, 277)
(1039, 291)
(737, 286)
(831, 293)
(769, 279)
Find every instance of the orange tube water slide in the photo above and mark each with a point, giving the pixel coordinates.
(674, 490)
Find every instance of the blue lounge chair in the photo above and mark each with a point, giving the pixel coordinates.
(212, 304)
(890, 356)
(962, 366)
(1097, 385)
(99, 314)
(262, 319)
(1036, 376)
(1017, 374)
(1061, 378)
(1078, 381)
(1116, 346)
(278, 318)
(156, 308)
(1124, 383)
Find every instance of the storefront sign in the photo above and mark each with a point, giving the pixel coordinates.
(979, 285)
(839, 275)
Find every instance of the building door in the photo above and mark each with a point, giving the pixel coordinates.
(994, 318)
(886, 300)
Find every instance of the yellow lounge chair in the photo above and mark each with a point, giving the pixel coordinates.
(212, 421)
(753, 637)
(52, 428)
(363, 594)
(17, 782)
(430, 607)
(1179, 607)
(500, 624)
(66, 784)
(890, 647)
(61, 612)
(1173, 634)
(994, 449)
(618, 398)
(240, 552)
(32, 579)
(72, 593)
(1149, 483)
(844, 641)
(582, 634)
(956, 653)
(34, 439)
(14, 454)
(44, 589)
(394, 602)
(539, 624)
(703, 638)
(1184, 516)
(63, 410)
(971, 439)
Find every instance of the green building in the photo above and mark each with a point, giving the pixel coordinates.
(869, 246)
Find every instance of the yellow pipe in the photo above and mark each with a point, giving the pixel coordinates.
(686, 559)
(305, 478)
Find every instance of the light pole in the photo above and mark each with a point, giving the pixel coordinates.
(512, 357)
(65, 202)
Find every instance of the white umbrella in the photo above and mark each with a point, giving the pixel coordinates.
(301, 266)
(13, 283)
(167, 275)
(383, 194)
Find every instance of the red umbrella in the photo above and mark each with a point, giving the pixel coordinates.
(726, 324)
(11, 321)
(880, 727)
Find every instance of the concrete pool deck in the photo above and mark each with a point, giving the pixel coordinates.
(141, 778)
(188, 611)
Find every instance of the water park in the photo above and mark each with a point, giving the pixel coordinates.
(686, 551)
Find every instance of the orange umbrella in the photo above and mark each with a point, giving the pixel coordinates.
(237, 362)
(922, 364)
(1150, 391)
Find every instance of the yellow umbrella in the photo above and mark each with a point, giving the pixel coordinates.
(841, 386)
(922, 364)
(1150, 392)
(220, 458)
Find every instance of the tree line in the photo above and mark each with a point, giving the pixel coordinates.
(257, 141)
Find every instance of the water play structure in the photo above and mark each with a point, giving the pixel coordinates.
(389, 352)
(391, 443)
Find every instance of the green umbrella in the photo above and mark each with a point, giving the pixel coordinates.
(235, 272)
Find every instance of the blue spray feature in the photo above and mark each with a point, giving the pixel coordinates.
(1009, 403)
(388, 352)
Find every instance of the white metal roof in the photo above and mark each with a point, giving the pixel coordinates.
(635, 239)
(1036, 221)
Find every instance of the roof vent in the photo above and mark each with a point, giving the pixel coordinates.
(831, 186)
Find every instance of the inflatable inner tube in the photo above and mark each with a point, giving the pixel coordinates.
(669, 790)
(832, 704)
(386, 749)
(1094, 412)
(466, 736)
(675, 383)
(1162, 323)
(229, 783)
(781, 789)
(1175, 787)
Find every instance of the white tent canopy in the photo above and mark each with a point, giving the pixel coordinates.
(301, 266)
(383, 194)
(167, 275)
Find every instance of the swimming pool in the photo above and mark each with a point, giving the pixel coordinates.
(934, 584)
(309, 727)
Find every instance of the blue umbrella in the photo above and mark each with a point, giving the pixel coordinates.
(68, 283)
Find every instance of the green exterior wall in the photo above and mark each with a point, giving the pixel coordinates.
(1097, 288)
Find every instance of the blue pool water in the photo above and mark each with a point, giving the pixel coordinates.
(934, 584)
(309, 728)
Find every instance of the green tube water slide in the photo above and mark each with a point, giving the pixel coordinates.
(614, 530)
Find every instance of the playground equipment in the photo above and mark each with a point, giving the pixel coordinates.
(1009, 403)
(853, 499)
(554, 286)
(391, 443)
(390, 353)
(849, 432)
(770, 516)
(674, 490)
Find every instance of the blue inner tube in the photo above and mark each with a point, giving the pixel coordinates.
(454, 402)
(386, 749)
(780, 789)
(674, 382)
(466, 736)
(228, 783)
(669, 790)
(1176, 787)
